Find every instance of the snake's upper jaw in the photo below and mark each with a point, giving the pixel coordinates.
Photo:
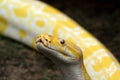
(58, 49)
(54, 55)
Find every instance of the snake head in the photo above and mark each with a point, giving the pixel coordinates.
(58, 50)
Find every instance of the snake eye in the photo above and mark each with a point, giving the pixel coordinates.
(62, 41)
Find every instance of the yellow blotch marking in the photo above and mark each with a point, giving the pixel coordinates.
(21, 11)
(22, 33)
(86, 35)
(115, 76)
(58, 28)
(104, 63)
(71, 40)
(91, 50)
(34, 43)
(60, 25)
(1, 0)
(70, 23)
(3, 24)
(75, 50)
(50, 9)
(40, 23)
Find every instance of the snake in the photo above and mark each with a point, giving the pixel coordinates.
(65, 54)
(26, 20)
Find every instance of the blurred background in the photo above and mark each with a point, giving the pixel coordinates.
(99, 17)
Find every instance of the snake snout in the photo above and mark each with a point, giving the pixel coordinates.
(39, 40)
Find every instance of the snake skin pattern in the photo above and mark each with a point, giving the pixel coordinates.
(23, 20)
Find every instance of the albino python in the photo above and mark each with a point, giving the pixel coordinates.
(25, 20)
(65, 54)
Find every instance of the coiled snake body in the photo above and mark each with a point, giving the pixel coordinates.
(24, 20)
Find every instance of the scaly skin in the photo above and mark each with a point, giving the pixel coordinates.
(65, 54)
(24, 20)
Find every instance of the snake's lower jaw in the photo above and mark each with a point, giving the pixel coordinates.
(56, 56)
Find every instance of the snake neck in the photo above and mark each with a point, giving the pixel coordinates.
(74, 72)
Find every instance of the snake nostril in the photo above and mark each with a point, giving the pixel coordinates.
(40, 40)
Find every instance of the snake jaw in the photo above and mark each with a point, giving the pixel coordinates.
(39, 42)
(57, 47)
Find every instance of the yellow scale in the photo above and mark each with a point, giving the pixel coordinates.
(23, 20)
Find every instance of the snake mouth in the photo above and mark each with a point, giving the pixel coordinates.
(40, 42)
(58, 47)
(54, 54)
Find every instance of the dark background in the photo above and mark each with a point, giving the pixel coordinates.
(100, 17)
